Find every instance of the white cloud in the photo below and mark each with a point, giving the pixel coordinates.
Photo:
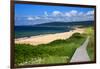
(33, 18)
(36, 17)
(90, 13)
(57, 13)
(67, 14)
(73, 12)
(46, 13)
(74, 15)
(30, 18)
(81, 14)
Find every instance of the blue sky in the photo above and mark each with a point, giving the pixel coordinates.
(43, 13)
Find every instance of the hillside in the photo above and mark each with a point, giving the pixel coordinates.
(62, 24)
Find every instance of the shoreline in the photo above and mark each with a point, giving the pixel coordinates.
(47, 38)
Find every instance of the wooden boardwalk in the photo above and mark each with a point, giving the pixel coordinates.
(81, 54)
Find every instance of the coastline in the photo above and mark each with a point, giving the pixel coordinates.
(47, 38)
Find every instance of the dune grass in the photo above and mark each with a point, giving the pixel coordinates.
(91, 45)
(58, 51)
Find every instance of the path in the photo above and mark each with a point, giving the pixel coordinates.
(81, 54)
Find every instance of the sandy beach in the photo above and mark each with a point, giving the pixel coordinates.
(44, 39)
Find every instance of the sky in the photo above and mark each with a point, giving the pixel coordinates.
(29, 14)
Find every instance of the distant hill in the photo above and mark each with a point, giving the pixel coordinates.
(60, 24)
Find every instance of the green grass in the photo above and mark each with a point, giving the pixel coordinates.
(89, 31)
(91, 45)
(58, 51)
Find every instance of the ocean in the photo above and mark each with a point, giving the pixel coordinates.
(27, 31)
(47, 28)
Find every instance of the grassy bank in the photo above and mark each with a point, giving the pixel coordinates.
(91, 45)
(58, 51)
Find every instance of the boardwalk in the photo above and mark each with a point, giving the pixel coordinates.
(81, 54)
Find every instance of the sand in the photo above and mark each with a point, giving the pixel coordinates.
(44, 39)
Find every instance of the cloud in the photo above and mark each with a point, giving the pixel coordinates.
(33, 18)
(57, 13)
(46, 13)
(73, 12)
(90, 13)
(37, 17)
(81, 14)
(67, 14)
(72, 15)
(30, 18)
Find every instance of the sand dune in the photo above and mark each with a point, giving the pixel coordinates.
(44, 39)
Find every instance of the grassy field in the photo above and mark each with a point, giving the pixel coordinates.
(91, 45)
(58, 51)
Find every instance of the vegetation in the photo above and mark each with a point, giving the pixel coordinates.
(91, 45)
(58, 51)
